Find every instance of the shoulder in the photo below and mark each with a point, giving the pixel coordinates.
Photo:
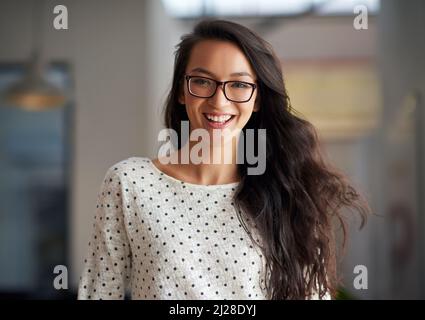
(130, 164)
(128, 167)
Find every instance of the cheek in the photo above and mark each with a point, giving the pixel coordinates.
(246, 113)
(192, 104)
(191, 101)
(193, 108)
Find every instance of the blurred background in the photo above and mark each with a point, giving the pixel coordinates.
(75, 101)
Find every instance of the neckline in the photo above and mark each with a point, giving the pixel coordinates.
(193, 185)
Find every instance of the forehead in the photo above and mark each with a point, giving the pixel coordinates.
(220, 57)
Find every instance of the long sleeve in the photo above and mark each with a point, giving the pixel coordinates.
(163, 238)
(107, 268)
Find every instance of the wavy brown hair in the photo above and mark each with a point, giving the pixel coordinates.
(294, 202)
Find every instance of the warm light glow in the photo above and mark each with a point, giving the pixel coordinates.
(35, 101)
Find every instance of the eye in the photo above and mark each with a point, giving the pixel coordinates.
(240, 85)
(201, 82)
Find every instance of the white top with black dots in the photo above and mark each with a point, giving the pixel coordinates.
(163, 238)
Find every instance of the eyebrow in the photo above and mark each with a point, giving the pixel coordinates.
(242, 73)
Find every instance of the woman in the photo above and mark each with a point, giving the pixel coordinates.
(211, 230)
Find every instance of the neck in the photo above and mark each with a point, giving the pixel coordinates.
(212, 165)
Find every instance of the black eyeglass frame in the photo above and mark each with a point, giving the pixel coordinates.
(219, 83)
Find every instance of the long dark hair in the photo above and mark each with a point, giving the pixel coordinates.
(294, 202)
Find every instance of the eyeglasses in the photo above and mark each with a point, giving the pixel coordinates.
(236, 91)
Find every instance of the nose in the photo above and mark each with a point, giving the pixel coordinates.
(218, 99)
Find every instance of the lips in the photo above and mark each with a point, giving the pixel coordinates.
(218, 121)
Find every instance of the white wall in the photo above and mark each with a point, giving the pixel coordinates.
(162, 35)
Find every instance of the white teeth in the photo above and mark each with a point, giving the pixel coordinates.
(218, 118)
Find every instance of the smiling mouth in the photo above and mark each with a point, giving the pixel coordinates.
(222, 119)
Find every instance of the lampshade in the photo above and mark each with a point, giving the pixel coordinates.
(33, 92)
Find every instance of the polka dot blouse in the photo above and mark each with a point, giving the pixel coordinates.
(157, 237)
